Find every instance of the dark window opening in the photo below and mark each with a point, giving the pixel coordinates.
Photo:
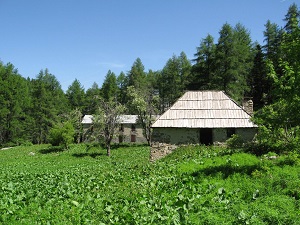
(133, 138)
(230, 132)
(132, 127)
(206, 136)
(120, 138)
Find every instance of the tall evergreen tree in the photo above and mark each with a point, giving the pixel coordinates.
(172, 80)
(292, 19)
(242, 62)
(280, 124)
(224, 58)
(49, 102)
(203, 69)
(185, 70)
(15, 102)
(258, 81)
(109, 86)
(136, 75)
(122, 85)
(233, 61)
(91, 101)
(76, 95)
(273, 36)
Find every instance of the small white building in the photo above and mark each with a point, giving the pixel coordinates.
(204, 117)
(128, 131)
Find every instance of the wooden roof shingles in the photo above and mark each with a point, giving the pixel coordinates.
(205, 109)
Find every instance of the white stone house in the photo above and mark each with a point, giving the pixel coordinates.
(204, 117)
(128, 131)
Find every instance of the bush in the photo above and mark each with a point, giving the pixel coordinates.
(62, 134)
(292, 158)
(235, 141)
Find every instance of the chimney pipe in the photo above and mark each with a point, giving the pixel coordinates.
(248, 105)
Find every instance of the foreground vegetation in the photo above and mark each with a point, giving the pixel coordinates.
(194, 185)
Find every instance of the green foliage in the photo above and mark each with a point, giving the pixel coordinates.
(235, 141)
(145, 103)
(91, 102)
(136, 76)
(62, 134)
(109, 86)
(194, 185)
(14, 105)
(203, 69)
(279, 122)
(172, 80)
(106, 121)
(48, 102)
(75, 95)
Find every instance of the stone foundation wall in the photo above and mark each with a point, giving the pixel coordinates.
(159, 150)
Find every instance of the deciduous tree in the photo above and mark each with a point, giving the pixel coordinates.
(107, 120)
(145, 103)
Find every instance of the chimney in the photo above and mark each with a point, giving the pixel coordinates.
(248, 105)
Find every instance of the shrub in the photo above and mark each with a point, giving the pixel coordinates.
(235, 141)
(62, 134)
(292, 158)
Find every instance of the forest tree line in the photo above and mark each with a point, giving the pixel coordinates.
(268, 73)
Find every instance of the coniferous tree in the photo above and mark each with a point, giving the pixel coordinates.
(258, 81)
(279, 122)
(233, 61)
(75, 95)
(122, 85)
(15, 102)
(91, 99)
(242, 62)
(292, 19)
(185, 70)
(48, 103)
(136, 75)
(109, 86)
(224, 58)
(170, 86)
(203, 69)
(273, 36)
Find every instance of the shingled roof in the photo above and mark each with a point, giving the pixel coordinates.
(205, 109)
(123, 119)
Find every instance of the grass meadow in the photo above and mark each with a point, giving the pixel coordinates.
(194, 185)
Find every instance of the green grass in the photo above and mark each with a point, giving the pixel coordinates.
(194, 185)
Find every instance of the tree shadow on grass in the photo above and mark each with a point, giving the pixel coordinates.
(52, 149)
(226, 170)
(88, 154)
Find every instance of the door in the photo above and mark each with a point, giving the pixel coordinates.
(206, 136)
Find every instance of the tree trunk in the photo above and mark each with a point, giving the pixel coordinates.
(108, 149)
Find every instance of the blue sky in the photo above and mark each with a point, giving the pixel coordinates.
(84, 39)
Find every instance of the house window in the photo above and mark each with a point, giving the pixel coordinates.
(133, 138)
(132, 127)
(120, 138)
(133, 134)
(230, 132)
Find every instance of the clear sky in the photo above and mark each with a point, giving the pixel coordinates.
(84, 39)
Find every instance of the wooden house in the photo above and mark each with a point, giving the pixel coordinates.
(204, 117)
